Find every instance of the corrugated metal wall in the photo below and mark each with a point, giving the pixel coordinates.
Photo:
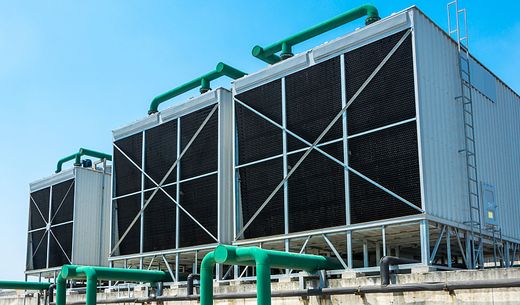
(497, 126)
(91, 218)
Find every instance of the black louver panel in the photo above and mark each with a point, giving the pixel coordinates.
(263, 138)
(62, 208)
(60, 245)
(389, 97)
(159, 221)
(317, 191)
(199, 198)
(390, 158)
(256, 184)
(160, 153)
(126, 209)
(37, 249)
(127, 178)
(201, 157)
(313, 99)
(39, 208)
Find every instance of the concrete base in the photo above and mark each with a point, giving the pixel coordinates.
(351, 275)
(422, 269)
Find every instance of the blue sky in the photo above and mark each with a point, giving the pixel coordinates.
(72, 71)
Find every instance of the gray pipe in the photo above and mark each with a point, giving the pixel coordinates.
(434, 286)
(386, 262)
(190, 279)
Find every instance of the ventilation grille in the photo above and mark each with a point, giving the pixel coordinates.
(263, 138)
(198, 194)
(256, 183)
(316, 190)
(59, 212)
(389, 97)
(199, 198)
(313, 99)
(126, 172)
(160, 153)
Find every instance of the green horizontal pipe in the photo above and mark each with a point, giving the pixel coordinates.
(94, 274)
(268, 55)
(77, 157)
(203, 81)
(264, 260)
(24, 285)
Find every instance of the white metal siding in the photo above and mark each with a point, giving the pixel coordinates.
(91, 218)
(497, 126)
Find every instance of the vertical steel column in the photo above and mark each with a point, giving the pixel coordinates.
(448, 246)
(383, 234)
(378, 253)
(345, 158)
(285, 165)
(425, 242)
(365, 253)
(141, 220)
(177, 198)
(49, 226)
(469, 254)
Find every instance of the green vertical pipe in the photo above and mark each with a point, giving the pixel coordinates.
(61, 290)
(267, 54)
(203, 81)
(263, 283)
(206, 279)
(24, 285)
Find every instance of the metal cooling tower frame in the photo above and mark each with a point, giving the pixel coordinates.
(212, 104)
(68, 210)
(428, 239)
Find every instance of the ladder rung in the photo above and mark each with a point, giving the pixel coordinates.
(472, 180)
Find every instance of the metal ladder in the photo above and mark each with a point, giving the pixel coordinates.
(459, 31)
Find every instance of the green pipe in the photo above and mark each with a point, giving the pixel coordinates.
(77, 157)
(264, 260)
(203, 82)
(268, 55)
(24, 285)
(93, 274)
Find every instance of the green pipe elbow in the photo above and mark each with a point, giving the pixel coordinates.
(267, 54)
(77, 157)
(203, 81)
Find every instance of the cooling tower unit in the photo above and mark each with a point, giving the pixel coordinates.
(363, 147)
(172, 184)
(69, 219)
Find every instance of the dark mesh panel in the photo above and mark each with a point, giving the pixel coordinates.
(201, 156)
(257, 138)
(199, 198)
(127, 178)
(126, 209)
(38, 249)
(159, 221)
(256, 184)
(313, 99)
(63, 235)
(389, 97)
(62, 201)
(38, 207)
(390, 158)
(317, 191)
(160, 152)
